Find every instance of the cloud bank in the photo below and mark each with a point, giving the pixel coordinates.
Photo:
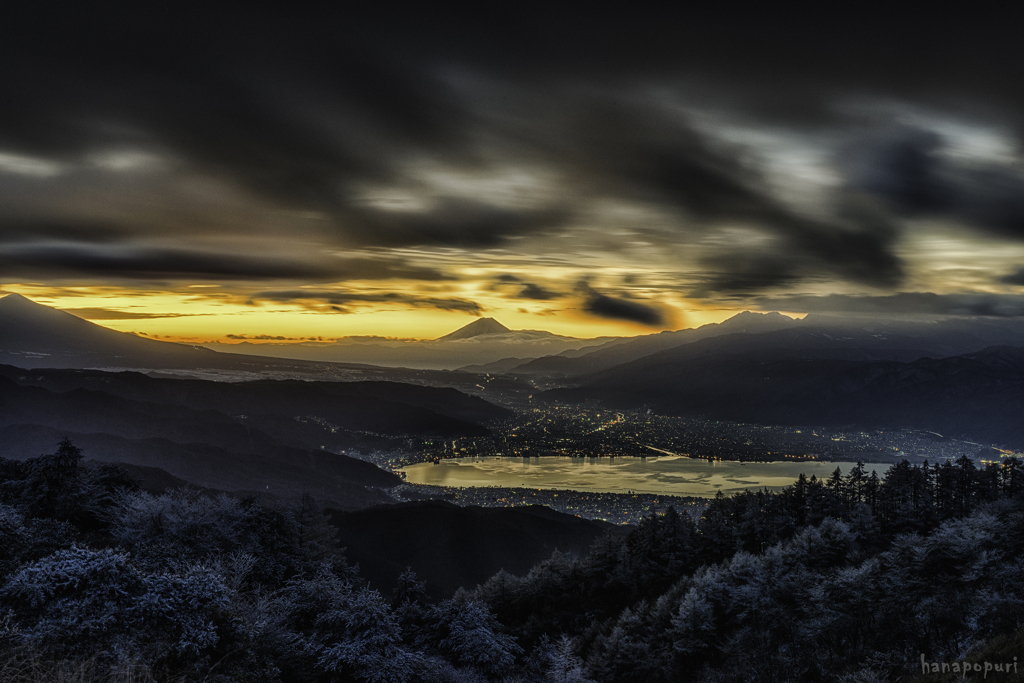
(282, 153)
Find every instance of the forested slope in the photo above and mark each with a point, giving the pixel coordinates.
(279, 437)
(853, 578)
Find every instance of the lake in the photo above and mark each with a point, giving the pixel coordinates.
(669, 475)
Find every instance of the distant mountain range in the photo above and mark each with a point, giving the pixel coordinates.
(268, 436)
(956, 376)
(626, 350)
(36, 336)
(483, 341)
(477, 328)
(940, 376)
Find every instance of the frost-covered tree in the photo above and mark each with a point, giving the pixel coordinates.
(564, 665)
(466, 633)
(52, 484)
(182, 525)
(185, 525)
(80, 602)
(75, 602)
(60, 487)
(13, 539)
(409, 599)
(24, 540)
(361, 637)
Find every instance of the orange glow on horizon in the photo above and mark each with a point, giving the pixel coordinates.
(198, 315)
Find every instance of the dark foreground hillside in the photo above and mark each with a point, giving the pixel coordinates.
(451, 547)
(274, 437)
(345, 482)
(855, 578)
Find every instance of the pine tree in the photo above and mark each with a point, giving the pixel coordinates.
(1011, 476)
(836, 485)
(797, 499)
(872, 488)
(52, 487)
(317, 539)
(855, 482)
(715, 529)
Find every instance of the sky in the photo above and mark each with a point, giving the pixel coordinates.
(204, 173)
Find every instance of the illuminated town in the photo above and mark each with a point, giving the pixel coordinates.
(594, 433)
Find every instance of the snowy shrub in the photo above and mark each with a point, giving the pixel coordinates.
(467, 633)
(362, 637)
(440, 670)
(13, 539)
(178, 526)
(305, 598)
(178, 613)
(184, 526)
(75, 601)
(323, 622)
(79, 602)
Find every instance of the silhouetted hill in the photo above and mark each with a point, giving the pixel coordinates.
(156, 480)
(269, 436)
(451, 546)
(381, 407)
(34, 335)
(804, 377)
(499, 366)
(344, 482)
(832, 336)
(616, 354)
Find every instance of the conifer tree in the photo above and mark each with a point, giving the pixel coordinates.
(316, 538)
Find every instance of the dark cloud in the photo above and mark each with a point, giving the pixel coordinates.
(68, 260)
(537, 293)
(613, 308)
(743, 274)
(1015, 278)
(338, 300)
(128, 262)
(264, 337)
(913, 171)
(525, 290)
(453, 222)
(622, 309)
(108, 314)
(281, 103)
(859, 251)
(639, 152)
(900, 168)
(904, 303)
(62, 231)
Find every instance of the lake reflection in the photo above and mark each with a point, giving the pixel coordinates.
(672, 475)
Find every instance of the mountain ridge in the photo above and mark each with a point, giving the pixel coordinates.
(822, 381)
(612, 355)
(483, 326)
